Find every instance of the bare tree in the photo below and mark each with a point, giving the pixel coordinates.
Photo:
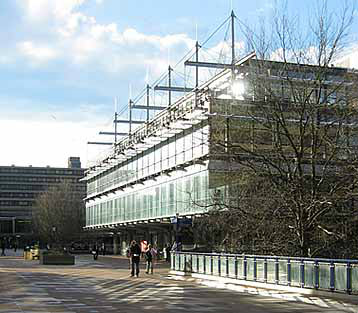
(58, 218)
(297, 142)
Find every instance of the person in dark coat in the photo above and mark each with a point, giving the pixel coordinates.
(135, 252)
(95, 252)
(167, 248)
(3, 247)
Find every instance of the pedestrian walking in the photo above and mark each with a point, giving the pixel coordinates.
(3, 247)
(15, 247)
(95, 252)
(150, 256)
(103, 249)
(128, 255)
(167, 250)
(134, 251)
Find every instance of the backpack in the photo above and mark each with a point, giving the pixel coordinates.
(148, 255)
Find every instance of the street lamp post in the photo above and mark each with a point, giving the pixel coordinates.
(54, 229)
(177, 233)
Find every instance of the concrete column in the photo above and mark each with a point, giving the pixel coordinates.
(147, 236)
(125, 240)
(115, 244)
(13, 225)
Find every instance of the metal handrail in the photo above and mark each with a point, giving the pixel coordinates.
(335, 275)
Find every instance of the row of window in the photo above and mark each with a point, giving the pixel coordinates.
(40, 171)
(190, 144)
(31, 179)
(186, 194)
(29, 195)
(19, 187)
(13, 203)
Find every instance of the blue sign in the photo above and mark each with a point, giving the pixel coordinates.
(181, 221)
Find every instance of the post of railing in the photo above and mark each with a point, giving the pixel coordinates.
(197, 264)
(277, 268)
(265, 270)
(178, 261)
(227, 266)
(236, 271)
(211, 265)
(349, 278)
(185, 263)
(302, 272)
(245, 268)
(316, 272)
(288, 272)
(331, 277)
(173, 260)
(255, 269)
(204, 263)
(219, 265)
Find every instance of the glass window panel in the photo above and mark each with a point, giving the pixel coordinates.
(133, 205)
(157, 202)
(163, 195)
(171, 201)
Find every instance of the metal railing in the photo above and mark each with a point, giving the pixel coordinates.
(324, 274)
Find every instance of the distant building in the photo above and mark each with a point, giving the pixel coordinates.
(74, 162)
(20, 186)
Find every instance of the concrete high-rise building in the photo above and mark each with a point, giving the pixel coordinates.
(19, 187)
(74, 162)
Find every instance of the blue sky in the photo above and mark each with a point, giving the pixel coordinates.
(62, 62)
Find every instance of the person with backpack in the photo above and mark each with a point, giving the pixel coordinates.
(150, 255)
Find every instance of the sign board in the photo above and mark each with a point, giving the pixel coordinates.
(183, 221)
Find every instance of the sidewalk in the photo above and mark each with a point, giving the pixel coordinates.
(310, 296)
(105, 285)
(299, 295)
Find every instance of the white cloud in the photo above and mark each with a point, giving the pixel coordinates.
(79, 39)
(40, 143)
(349, 57)
(306, 56)
(50, 137)
(38, 53)
(38, 10)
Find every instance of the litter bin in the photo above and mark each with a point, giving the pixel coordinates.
(35, 253)
(27, 253)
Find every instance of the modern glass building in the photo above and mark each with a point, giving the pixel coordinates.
(177, 163)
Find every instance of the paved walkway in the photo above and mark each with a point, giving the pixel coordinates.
(106, 286)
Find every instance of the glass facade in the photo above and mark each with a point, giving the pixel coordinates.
(181, 193)
(173, 190)
(186, 146)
